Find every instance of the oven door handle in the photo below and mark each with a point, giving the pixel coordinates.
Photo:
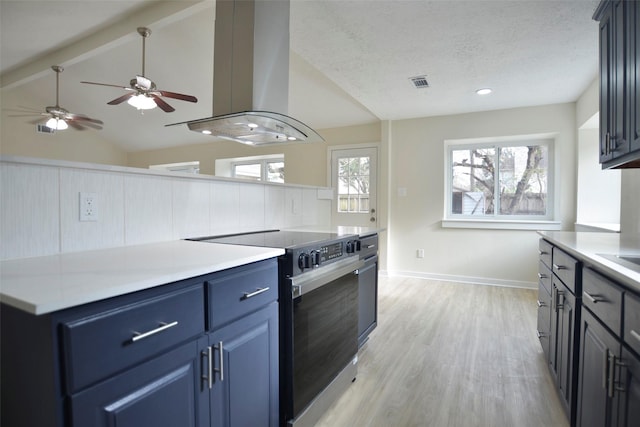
(312, 280)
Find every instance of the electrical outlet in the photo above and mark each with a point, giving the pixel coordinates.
(420, 253)
(88, 207)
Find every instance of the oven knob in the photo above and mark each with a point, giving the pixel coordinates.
(358, 245)
(303, 261)
(315, 258)
(351, 247)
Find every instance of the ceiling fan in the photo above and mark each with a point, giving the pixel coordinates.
(142, 92)
(59, 118)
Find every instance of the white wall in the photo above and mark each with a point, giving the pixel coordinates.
(39, 207)
(630, 203)
(598, 189)
(416, 164)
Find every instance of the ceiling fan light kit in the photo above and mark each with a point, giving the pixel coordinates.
(142, 92)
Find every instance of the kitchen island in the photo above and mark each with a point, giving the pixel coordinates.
(98, 338)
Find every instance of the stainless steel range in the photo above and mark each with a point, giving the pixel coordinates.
(318, 297)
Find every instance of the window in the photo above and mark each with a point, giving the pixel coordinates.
(496, 181)
(271, 170)
(353, 184)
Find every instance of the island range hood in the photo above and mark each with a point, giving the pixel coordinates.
(251, 76)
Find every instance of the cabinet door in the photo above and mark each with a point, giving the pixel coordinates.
(164, 392)
(619, 137)
(367, 299)
(598, 346)
(606, 82)
(630, 396)
(566, 347)
(245, 378)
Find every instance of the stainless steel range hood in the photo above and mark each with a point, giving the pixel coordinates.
(251, 76)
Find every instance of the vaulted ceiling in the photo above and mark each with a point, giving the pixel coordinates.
(351, 60)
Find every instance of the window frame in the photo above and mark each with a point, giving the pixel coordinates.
(263, 167)
(497, 220)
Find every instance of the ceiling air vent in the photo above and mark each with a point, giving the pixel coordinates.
(420, 82)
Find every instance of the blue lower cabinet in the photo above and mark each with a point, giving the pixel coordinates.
(164, 392)
(244, 385)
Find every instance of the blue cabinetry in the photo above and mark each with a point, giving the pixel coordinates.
(199, 352)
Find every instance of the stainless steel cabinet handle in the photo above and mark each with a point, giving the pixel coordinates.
(258, 291)
(593, 298)
(635, 334)
(209, 377)
(559, 267)
(371, 246)
(220, 370)
(541, 304)
(543, 253)
(611, 383)
(542, 276)
(541, 334)
(137, 336)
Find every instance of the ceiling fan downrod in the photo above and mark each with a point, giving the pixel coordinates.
(58, 69)
(144, 32)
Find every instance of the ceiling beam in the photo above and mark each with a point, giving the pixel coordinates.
(157, 15)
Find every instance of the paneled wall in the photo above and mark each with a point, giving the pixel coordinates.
(39, 206)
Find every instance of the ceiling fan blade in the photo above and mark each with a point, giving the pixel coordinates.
(163, 105)
(95, 124)
(24, 115)
(180, 96)
(121, 99)
(23, 110)
(74, 125)
(38, 121)
(106, 84)
(83, 118)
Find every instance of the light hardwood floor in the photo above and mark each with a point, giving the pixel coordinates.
(450, 354)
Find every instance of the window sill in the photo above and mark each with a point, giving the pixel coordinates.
(502, 224)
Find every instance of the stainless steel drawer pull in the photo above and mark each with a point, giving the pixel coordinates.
(559, 267)
(163, 326)
(542, 276)
(543, 253)
(258, 291)
(541, 334)
(635, 334)
(541, 304)
(371, 246)
(593, 298)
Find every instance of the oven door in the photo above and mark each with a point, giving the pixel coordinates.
(325, 328)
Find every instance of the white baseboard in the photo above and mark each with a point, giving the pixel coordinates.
(461, 279)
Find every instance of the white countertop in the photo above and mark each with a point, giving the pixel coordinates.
(590, 246)
(46, 284)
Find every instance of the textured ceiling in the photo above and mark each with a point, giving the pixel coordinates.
(351, 60)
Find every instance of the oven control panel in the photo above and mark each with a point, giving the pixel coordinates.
(310, 257)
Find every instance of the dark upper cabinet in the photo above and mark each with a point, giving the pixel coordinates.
(619, 133)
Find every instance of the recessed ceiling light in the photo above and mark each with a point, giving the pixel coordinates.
(484, 91)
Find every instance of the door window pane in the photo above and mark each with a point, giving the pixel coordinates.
(353, 184)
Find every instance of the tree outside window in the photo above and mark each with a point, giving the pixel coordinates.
(499, 180)
(353, 184)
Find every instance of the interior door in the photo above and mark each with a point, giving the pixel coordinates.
(354, 179)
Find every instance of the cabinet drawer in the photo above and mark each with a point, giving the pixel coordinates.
(544, 276)
(603, 298)
(368, 246)
(544, 250)
(566, 268)
(103, 343)
(239, 291)
(632, 321)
